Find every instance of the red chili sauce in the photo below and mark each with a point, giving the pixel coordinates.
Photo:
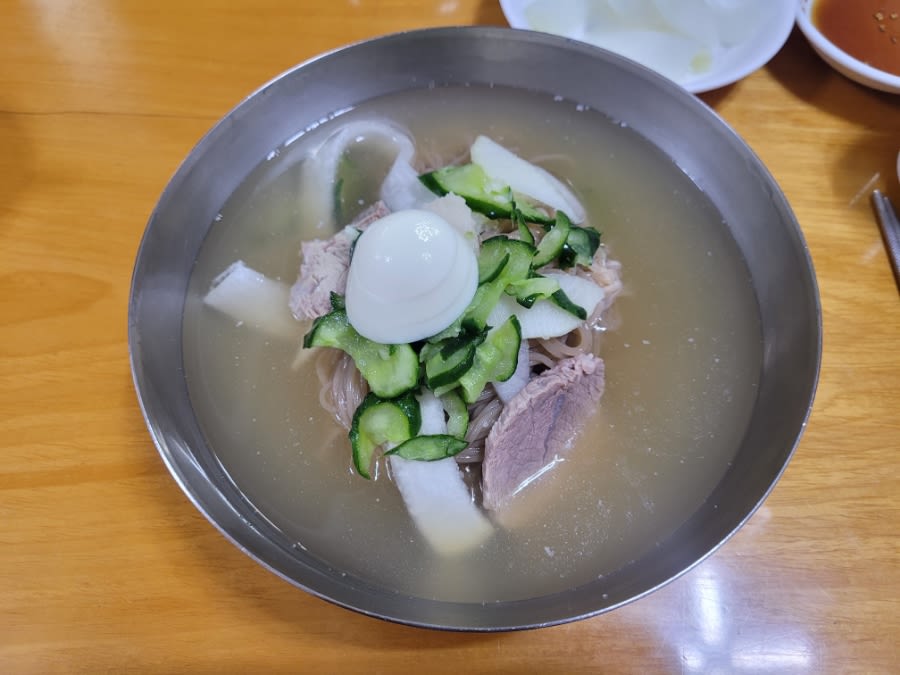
(868, 30)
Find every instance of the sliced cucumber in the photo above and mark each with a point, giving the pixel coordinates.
(528, 212)
(457, 414)
(518, 255)
(390, 370)
(337, 301)
(378, 421)
(491, 198)
(450, 331)
(507, 389)
(536, 287)
(428, 350)
(447, 361)
(561, 300)
(581, 245)
(486, 298)
(521, 224)
(328, 331)
(429, 448)
(489, 268)
(501, 254)
(495, 359)
(552, 243)
(470, 182)
(546, 319)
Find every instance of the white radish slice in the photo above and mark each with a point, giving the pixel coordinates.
(739, 20)
(524, 177)
(432, 411)
(562, 17)
(690, 18)
(435, 494)
(636, 13)
(254, 299)
(440, 504)
(315, 195)
(601, 15)
(402, 188)
(674, 56)
(545, 319)
(509, 388)
(319, 170)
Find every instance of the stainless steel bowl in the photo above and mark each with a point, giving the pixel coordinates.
(717, 160)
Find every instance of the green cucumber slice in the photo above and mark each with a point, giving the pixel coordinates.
(429, 448)
(390, 370)
(378, 421)
(521, 224)
(581, 245)
(518, 256)
(457, 414)
(484, 195)
(536, 287)
(447, 361)
(561, 300)
(552, 243)
(495, 359)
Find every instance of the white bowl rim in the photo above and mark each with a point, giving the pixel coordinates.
(832, 51)
(769, 46)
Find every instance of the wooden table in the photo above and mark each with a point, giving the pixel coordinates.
(106, 566)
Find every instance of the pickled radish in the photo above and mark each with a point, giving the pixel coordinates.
(680, 39)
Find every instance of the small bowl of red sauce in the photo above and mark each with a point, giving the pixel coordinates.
(860, 38)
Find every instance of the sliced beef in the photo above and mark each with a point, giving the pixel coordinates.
(538, 425)
(324, 265)
(323, 271)
(377, 211)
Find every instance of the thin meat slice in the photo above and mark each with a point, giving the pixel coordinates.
(322, 272)
(324, 266)
(537, 427)
(377, 211)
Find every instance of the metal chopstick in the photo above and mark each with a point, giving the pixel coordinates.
(890, 228)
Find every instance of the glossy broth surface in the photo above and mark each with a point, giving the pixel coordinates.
(682, 362)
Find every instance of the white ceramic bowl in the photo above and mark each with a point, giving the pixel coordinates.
(730, 64)
(840, 60)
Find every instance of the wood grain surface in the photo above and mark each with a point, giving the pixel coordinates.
(105, 566)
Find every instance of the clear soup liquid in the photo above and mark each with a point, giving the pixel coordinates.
(682, 364)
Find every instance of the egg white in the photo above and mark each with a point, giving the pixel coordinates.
(412, 274)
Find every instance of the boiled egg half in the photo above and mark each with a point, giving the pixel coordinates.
(412, 274)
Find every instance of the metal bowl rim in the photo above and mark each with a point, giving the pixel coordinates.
(484, 33)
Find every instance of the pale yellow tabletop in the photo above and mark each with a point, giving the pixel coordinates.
(104, 564)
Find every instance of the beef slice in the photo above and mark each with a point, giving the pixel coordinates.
(538, 426)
